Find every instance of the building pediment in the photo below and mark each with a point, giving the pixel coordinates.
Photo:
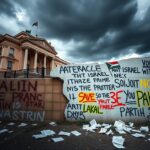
(42, 43)
(23, 35)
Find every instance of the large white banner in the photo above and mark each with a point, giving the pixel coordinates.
(110, 91)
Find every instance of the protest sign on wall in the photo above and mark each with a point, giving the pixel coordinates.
(109, 91)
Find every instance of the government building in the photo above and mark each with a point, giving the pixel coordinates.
(25, 53)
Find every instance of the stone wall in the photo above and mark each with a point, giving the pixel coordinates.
(32, 99)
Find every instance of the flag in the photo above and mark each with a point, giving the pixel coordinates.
(28, 31)
(113, 64)
(35, 23)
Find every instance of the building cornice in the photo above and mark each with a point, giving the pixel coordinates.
(61, 60)
(48, 50)
(9, 38)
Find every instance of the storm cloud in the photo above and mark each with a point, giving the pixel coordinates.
(99, 29)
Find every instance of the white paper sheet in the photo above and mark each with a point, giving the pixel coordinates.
(88, 128)
(107, 126)
(119, 124)
(144, 128)
(138, 135)
(85, 127)
(103, 130)
(138, 131)
(10, 131)
(58, 139)
(3, 131)
(11, 124)
(76, 133)
(44, 133)
(38, 136)
(104, 124)
(92, 128)
(34, 124)
(118, 146)
(93, 122)
(22, 125)
(127, 129)
(64, 133)
(120, 131)
(109, 132)
(94, 125)
(98, 125)
(52, 123)
(118, 141)
(131, 124)
(47, 132)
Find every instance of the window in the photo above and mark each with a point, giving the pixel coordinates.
(11, 52)
(10, 65)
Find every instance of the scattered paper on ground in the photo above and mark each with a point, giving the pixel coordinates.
(109, 132)
(107, 126)
(76, 133)
(120, 131)
(11, 124)
(10, 131)
(145, 129)
(86, 127)
(118, 141)
(119, 125)
(93, 123)
(136, 130)
(89, 128)
(34, 124)
(44, 133)
(53, 123)
(3, 130)
(138, 135)
(103, 130)
(131, 124)
(58, 139)
(64, 133)
(22, 125)
(127, 129)
(47, 132)
(38, 136)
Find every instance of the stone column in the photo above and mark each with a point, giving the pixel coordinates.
(1, 63)
(52, 64)
(25, 59)
(35, 61)
(45, 57)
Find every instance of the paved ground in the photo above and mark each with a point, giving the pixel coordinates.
(21, 138)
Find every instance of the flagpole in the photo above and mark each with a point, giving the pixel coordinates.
(37, 31)
(36, 24)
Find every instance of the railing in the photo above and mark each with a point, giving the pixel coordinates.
(27, 73)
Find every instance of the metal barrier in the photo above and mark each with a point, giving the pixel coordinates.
(26, 73)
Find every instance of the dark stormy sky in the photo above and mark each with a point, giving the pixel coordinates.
(83, 30)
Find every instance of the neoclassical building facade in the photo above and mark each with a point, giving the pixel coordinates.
(24, 51)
